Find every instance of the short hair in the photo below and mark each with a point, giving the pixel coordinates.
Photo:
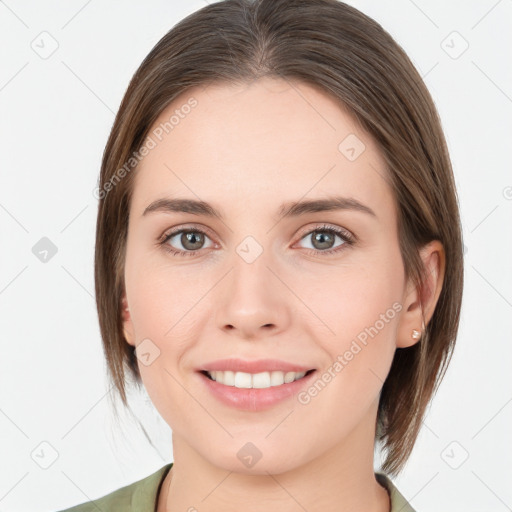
(350, 57)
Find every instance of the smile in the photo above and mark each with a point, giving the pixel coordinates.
(260, 380)
(255, 392)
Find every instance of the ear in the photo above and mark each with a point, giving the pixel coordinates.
(128, 330)
(420, 302)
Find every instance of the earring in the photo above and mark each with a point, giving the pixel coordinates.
(415, 335)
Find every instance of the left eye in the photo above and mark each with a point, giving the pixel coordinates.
(322, 239)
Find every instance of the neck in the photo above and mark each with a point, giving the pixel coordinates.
(341, 479)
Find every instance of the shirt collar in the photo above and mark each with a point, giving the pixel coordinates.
(145, 496)
(398, 502)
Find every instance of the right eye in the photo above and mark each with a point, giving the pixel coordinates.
(191, 241)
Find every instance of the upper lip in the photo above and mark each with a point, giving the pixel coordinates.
(257, 366)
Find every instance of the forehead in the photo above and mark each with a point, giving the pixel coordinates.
(260, 141)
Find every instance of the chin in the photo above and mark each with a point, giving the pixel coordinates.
(249, 460)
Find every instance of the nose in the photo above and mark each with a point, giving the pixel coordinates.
(253, 301)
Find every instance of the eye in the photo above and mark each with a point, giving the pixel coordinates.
(323, 239)
(191, 241)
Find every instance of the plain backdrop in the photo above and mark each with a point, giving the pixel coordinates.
(64, 69)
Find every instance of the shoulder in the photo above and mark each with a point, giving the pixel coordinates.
(138, 496)
(398, 502)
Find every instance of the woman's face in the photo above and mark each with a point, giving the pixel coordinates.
(257, 282)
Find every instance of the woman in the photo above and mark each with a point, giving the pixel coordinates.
(278, 258)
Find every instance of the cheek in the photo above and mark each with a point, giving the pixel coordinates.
(162, 296)
(349, 298)
(359, 307)
(165, 308)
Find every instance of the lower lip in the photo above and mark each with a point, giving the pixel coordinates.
(255, 399)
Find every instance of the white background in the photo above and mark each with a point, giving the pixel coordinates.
(56, 114)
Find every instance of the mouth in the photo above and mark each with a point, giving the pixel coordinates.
(261, 380)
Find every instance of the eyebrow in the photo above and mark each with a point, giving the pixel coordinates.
(287, 210)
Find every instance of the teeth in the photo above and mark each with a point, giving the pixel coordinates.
(256, 380)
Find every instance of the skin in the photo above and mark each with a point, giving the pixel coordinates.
(246, 149)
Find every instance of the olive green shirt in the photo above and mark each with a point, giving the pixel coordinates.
(142, 496)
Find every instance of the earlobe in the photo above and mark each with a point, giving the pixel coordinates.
(127, 322)
(421, 302)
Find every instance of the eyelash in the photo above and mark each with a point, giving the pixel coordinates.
(344, 235)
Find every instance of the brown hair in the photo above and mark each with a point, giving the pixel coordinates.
(349, 56)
